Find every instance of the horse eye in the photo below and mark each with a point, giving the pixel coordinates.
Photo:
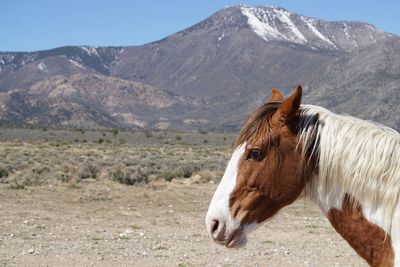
(254, 154)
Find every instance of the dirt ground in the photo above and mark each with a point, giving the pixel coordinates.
(103, 223)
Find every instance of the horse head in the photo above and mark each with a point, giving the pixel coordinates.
(264, 173)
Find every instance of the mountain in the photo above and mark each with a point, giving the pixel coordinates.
(246, 42)
(99, 59)
(365, 83)
(208, 76)
(85, 100)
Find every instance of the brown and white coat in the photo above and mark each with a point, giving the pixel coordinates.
(348, 167)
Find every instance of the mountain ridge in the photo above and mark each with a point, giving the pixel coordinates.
(220, 68)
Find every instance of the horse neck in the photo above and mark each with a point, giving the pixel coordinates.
(356, 181)
(354, 158)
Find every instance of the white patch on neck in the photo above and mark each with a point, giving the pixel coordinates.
(219, 206)
(358, 158)
(395, 235)
(374, 215)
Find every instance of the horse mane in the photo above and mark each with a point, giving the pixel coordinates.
(348, 155)
(356, 157)
(257, 125)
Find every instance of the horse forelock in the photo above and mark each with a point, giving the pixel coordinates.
(258, 124)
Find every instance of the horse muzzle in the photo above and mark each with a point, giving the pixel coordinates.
(226, 233)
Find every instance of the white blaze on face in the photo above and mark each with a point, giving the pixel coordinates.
(219, 206)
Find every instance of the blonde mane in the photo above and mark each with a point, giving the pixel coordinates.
(356, 157)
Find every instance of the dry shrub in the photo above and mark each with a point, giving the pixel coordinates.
(45, 163)
(4, 171)
(88, 170)
(129, 176)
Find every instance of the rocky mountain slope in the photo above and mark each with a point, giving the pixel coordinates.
(365, 83)
(208, 76)
(85, 100)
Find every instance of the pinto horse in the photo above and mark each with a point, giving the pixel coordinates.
(349, 167)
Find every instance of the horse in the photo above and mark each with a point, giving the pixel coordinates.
(349, 167)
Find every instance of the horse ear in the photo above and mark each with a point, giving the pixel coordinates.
(276, 96)
(291, 105)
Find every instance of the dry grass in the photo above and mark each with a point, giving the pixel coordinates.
(48, 162)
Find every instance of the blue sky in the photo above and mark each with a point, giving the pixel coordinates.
(43, 24)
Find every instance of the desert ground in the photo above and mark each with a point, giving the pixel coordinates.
(137, 199)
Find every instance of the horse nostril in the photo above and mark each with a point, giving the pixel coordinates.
(214, 226)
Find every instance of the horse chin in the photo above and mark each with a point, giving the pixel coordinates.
(237, 242)
(238, 239)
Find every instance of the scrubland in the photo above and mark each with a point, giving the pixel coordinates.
(37, 158)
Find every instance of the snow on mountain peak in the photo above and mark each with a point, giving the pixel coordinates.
(311, 25)
(90, 50)
(278, 24)
(264, 22)
(42, 67)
